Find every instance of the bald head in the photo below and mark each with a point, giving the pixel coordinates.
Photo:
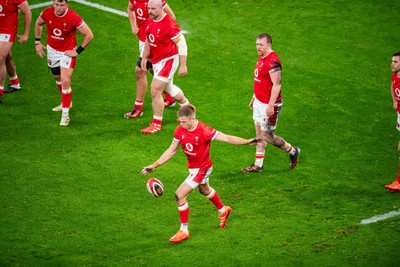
(155, 9)
(155, 3)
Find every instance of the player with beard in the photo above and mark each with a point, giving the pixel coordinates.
(166, 46)
(138, 14)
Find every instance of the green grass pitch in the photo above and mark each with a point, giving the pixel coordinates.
(74, 196)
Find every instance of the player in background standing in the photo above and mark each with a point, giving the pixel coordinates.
(195, 138)
(166, 46)
(8, 32)
(138, 14)
(266, 103)
(12, 73)
(62, 24)
(395, 91)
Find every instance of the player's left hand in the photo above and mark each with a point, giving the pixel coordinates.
(182, 71)
(71, 53)
(23, 38)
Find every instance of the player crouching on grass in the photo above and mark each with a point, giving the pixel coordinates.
(195, 138)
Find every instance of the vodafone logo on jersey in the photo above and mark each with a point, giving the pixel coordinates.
(1, 9)
(139, 11)
(397, 92)
(189, 147)
(57, 33)
(151, 40)
(256, 75)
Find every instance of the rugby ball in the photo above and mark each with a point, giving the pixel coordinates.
(155, 187)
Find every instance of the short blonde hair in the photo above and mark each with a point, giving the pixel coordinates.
(187, 111)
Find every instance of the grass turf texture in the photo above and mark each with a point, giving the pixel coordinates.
(74, 197)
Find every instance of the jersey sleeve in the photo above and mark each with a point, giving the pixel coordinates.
(177, 134)
(274, 65)
(78, 21)
(43, 15)
(20, 2)
(209, 132)
(174, 30)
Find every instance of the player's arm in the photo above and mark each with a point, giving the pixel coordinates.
(252, 102)
(170, 13)
(276, 79)
(393, 97)
(38, 34)
(132, 19)
(24, 8)
(180, 42)
(235, 140)
(167, 155)
(145, 54)
(87, 38)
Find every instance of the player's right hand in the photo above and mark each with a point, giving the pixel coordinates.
(255, 141)
(251, 103)
(40, 50)
(144, 63)
(147, 170)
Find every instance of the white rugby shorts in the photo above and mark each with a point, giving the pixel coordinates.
(59, 59)
(7, 38)
(141, 48)
(260, 117)
(165, 69)
(198, 176)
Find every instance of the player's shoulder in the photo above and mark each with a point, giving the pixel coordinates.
(71, 12)
(178, 129)
(48, 11)
(273, 60)
(395, 78)
(205, 127)
(20, 2)
(274, 56)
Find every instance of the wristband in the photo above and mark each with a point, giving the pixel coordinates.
(37, 39)
(80, 49)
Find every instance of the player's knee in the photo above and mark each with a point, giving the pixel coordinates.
(65, 83)
(155, 92)
(177, 198)
(149, 65)
(175, 92)
(140, 73)
(269, 136)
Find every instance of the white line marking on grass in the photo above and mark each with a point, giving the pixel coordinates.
(98, 6)
(381, 217)
(41, 5)
(101, 7)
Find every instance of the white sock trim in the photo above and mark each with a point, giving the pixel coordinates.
(211, 194)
